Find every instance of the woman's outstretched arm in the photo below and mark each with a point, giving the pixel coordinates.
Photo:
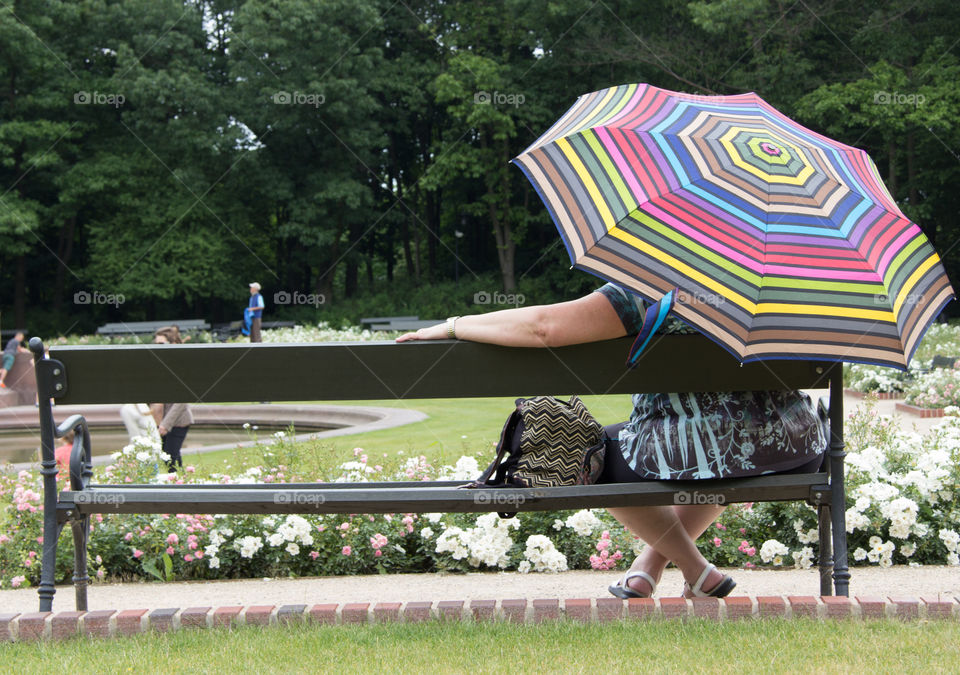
(587, 319)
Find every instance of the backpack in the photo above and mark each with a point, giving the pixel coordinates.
(547, 442)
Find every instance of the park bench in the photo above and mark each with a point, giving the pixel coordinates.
(224, 331)
(369, 321)
(416, 370)
(404, 323)
(149, 327)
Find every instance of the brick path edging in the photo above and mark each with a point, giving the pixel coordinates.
(111, 623)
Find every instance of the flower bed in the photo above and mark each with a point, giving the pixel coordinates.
(919, 380)
(903, 508)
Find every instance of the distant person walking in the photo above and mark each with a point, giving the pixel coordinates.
(256, 310)
(173, 419)
(14, 345)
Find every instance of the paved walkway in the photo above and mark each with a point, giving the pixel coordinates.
(899, 581)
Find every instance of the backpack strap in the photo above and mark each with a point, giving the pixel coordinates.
(504, 447)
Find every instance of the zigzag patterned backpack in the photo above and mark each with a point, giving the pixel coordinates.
(547, 442)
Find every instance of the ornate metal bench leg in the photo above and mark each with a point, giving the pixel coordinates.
(826, 550)
(48, 469)
(838, 493)
(81, 532)
(48, 561)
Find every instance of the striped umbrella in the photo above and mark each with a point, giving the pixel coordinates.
(781, 243)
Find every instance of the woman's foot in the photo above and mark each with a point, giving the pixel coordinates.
(711, 583)
(634, 584)
(640, 581)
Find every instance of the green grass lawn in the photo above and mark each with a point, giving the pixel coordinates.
(768, 646)
(454, 427)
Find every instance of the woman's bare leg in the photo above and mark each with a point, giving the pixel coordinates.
(665, 532)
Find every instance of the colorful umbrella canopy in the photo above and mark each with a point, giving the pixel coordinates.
(783, 243)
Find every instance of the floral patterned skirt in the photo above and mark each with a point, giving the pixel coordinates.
(691, 436)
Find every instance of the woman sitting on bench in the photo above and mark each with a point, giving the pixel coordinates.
(669, 436)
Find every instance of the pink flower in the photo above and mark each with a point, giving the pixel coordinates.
(27, 562)
(717, 541)
(192, 546)
(198, 555)
(188, 558)
(720, 526)
(128, 536)
(137, 553)
(170, 550)
(17, 581)
(4, 539)
(377, 553)
(345, 550)
(314, 554)
(173, 539)
(190, 469)
(751, 551)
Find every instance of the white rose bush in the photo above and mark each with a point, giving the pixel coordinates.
(903, 508)
(921, 385)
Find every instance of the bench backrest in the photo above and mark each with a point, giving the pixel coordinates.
(386, 370)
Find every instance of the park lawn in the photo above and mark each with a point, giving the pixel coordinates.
(454, 427)
(772, 645)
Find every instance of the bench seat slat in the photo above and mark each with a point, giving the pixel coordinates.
(425, 497)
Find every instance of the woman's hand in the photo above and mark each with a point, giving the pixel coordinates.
(437, 332)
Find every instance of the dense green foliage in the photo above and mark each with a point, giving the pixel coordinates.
(164, 153)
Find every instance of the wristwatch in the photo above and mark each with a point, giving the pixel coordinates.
(452, 327)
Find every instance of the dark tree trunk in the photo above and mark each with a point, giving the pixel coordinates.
(20, 292)
(892, 167)
(64, 252)
(388, 248)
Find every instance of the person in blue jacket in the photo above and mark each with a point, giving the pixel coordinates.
(256, 310)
